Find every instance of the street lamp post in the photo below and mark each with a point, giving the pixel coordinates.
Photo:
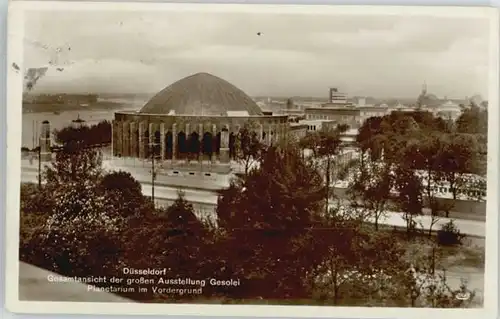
(39, 167)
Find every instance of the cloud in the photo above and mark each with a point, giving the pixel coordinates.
(294, 55)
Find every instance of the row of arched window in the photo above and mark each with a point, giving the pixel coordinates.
(187, 146)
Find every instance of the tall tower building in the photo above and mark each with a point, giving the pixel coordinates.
(44, 142)
(337, 97)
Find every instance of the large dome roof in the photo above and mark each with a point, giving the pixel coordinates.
(202, 94)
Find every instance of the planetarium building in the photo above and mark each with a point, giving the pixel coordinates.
(191, 122)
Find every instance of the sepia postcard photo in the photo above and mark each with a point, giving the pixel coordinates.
(257, 160)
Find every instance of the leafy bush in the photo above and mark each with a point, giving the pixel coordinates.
(273, 234)
(449, 235)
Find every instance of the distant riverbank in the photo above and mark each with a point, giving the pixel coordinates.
(59, 108)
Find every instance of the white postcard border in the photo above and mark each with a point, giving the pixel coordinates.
(14, 133)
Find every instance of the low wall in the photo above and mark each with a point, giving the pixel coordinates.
(459, 206)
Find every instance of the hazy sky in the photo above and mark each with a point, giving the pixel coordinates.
(380, 56)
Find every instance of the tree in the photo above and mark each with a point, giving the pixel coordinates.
(326, 144)
(124, 193)
(35, 200)
(449, 235)
(71, 134)
(249, 148)
(459, 158)
(473, 120)
(349, 269)
(368, 135)
(373, 184)
(273, 207)
(418, 141)
(95, 134)
(172, 238)
(81, 237)
(409, 197)
(424, 283)
(80, 234)
(74, 165)
(424, 156)
(309, 142)
(392, 132)
(181, 218)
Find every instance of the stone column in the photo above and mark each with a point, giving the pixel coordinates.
(188, 138)
(151, 131)
(285, 131)
(174, 142)
(162, 141)
(119, 139)
(200, 141)
(236, 142)
(142, 139)
(224, 145)
(269, 134)
(126, 139)
(214, 139)
(261, 132)
(277, 133)
(133, 140)
(152, 139)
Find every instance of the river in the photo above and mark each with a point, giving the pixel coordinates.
(32, 121)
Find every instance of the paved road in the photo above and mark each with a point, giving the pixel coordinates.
(470, 210)
(205, 202)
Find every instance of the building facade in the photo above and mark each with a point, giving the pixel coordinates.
(298, 131)
(342, 115)
(194, 121)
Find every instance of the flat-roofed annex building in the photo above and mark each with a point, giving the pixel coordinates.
(353, 116)
(194, 120)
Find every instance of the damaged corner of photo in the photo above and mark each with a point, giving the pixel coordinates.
(316, 160)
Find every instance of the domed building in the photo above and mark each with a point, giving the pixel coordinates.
(192, 124)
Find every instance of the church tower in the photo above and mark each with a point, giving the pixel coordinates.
(421, 97)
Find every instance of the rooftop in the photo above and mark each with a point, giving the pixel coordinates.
(202, 94)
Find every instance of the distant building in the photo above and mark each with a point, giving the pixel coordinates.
(344, 115)
(317, 125)
(371, 111)
(341, 111)
(401, 108)
(361, 102)
(190, 128)
(352, 116)
(298, 131)
(337, 98)
(292, 112)
(448, 110)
